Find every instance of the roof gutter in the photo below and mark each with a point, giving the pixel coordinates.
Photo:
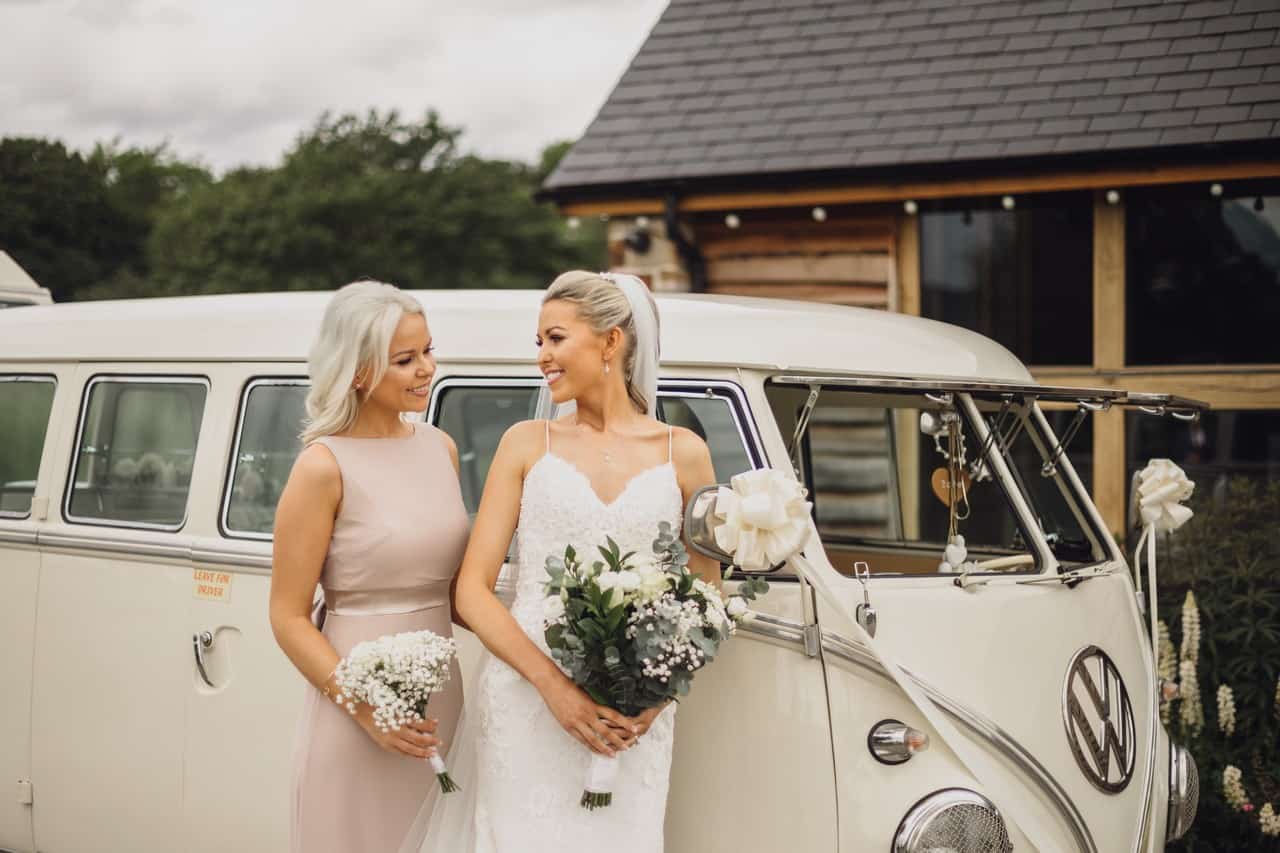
(690, 255)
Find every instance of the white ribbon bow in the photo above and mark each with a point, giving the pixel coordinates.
(763, 518)
(1162, 486)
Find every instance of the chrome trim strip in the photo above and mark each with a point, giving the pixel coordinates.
(113, 545)
(258, 564)
(784, 630)
(68, 491)
(18, 537)
(233, 460)
(892, 383)
(859, 655)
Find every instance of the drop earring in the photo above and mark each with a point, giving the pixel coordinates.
(606, 367)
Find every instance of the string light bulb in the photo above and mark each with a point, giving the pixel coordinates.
(911, 207)
(573, 222)
(1008, 203)
(732, 220)
(642, 222)
(1113, 197)
(1215, 190)
(819, 214)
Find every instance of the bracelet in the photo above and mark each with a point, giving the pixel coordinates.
(324, 686)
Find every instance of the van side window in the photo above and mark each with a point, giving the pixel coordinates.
(25, 403)
(135, 448)
(714, 419)
(266, 444)
(878, 486)
(475, 416)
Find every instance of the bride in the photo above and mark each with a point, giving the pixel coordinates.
(607, 467)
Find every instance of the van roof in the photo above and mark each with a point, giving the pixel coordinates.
(499, 325)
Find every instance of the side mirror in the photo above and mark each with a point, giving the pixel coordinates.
(700, 523)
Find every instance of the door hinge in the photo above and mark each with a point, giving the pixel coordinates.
(812, 640)
(24, 792)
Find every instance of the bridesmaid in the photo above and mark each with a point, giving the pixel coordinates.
(374, 514)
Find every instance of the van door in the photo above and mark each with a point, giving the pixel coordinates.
(243, 695)
(767, 681)
(111, 664)
(1012, 656)
(26, 405)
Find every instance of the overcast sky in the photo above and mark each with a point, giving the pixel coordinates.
(234, 81)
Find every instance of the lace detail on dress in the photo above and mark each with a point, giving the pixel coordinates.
(530, 770)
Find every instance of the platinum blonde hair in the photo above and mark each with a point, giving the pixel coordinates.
(606, 300)
(354, 336)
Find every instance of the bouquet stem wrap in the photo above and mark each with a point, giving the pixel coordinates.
(600, 778)
(447, 785)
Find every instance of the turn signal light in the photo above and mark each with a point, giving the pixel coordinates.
(893, 742)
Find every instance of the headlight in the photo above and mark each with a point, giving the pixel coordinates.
(1184, 792)
(955, 820)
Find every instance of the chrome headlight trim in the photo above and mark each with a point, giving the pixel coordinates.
(924, 816)
(1184, 792)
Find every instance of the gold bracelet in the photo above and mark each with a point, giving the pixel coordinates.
(324, 686)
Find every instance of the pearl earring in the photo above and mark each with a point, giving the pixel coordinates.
(606, 367)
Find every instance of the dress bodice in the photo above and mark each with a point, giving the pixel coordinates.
(560, 507)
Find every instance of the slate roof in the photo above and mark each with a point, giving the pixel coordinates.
(757, 87)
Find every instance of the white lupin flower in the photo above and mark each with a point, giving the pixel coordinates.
(1190, 629)
(1269, 821)
(1226, 710)
(1233, 788)
(1192, 711)
(1167, 667)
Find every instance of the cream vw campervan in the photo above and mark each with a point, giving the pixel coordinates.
(146, 707)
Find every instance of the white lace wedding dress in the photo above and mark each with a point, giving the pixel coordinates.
(529, 772)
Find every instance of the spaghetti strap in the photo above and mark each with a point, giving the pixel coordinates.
(669, 436)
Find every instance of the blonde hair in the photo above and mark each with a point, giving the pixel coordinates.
(354, 336)
(602, 305)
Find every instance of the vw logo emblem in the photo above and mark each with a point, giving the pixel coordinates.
(1099, 720)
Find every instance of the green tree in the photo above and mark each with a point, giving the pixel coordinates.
(56, 217)
(373, 196)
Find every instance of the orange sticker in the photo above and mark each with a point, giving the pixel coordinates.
(212, 586)
(941, 483)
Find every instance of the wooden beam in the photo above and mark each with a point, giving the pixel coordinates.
(1108, 284)
(1110, 489)
(908, 266)
(896, 191)
(861, 295)
(1244, 387)
(851, 267)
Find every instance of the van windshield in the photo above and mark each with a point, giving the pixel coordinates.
(1038, 463)
(878, 470)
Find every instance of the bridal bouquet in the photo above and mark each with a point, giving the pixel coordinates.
(397, 674)
(632, 629)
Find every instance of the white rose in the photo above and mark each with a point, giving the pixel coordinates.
(737, 607)
(628, 580)
(552, 609)
(610, 584)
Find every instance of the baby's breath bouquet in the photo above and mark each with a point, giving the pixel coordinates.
(397, 674)
(632, 629)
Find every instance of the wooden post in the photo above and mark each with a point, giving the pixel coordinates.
(907, 297)
(1109, 485)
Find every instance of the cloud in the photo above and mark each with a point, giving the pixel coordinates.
(235, 82)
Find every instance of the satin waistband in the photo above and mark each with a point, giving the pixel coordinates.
(381, 602)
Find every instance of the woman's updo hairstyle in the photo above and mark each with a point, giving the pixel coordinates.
(602, 305)
(355, 334)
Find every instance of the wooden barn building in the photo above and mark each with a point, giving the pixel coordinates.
(1093, 183)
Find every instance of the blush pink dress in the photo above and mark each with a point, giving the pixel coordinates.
(397, 543)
